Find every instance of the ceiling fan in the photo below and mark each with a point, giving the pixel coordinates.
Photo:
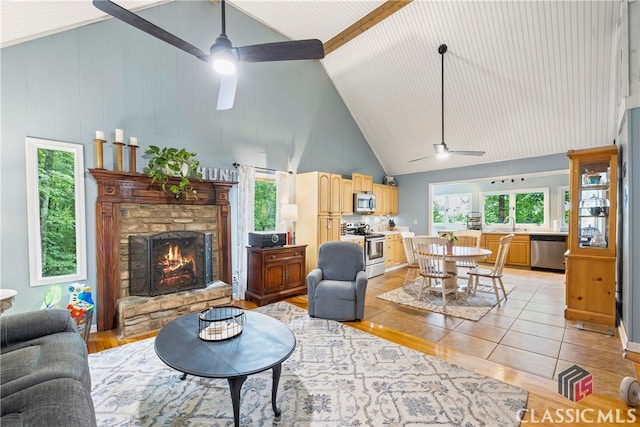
(441, 149)
(222, 55)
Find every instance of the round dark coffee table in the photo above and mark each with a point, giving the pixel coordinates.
(263, 344)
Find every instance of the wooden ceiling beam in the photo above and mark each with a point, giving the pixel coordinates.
(377, 15)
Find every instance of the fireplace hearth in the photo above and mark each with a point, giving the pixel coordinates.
(169, 262)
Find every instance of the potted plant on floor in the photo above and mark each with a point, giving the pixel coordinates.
(451, 239)
(172, 162)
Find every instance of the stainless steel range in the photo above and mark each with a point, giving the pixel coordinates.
(373, 248)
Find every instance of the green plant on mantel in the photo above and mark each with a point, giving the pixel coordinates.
(170, 162)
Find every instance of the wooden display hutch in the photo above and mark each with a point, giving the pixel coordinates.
(591, 255)
(274, 274)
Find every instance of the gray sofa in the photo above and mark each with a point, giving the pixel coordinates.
(336, 288)
(44, 373)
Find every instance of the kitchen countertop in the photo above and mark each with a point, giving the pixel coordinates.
(523, 231)
(351, 237)
(528, 231)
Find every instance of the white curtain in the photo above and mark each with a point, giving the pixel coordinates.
(246, 195)
(282, 197)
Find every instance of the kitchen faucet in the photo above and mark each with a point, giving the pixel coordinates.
(510, 219)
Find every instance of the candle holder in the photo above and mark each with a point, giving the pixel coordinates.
(132, 158)
(99, 153)
(119, 146)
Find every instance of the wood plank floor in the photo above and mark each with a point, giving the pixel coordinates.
(546, 406)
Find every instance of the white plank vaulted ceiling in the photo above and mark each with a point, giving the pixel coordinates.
(522, 78)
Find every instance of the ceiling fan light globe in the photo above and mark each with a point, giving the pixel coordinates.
(439, 148)
(224, 66)
(223, 57)
(442, 155)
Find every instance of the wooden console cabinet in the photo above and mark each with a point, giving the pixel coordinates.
(591, 259)
(275, 273)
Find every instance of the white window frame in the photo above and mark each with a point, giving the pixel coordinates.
(36, 274)
(512, 203)
(446, 215)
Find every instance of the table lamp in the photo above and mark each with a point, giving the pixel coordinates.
(289, 214)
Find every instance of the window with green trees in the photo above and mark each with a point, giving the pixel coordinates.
(451, 208)
(264, 211)
(55, 210)
(527, 206)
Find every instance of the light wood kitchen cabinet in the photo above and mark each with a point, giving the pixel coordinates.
(393, 200)
(353, 238)
(329, 193)
(274, 274)
(328, 229)
(591, 256)
(378, 192)
(519, 252)
(362, 183)
(319, 198)
(394, 250)
(386, 199)
(347, 197)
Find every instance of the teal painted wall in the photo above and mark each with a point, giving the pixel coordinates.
(108, 75)
(629, 230)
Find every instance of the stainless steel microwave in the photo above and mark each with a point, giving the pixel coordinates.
(364, 202)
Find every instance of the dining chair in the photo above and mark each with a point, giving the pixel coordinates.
(495, 273)
(468, 238)
(430, 254)
(412, 262)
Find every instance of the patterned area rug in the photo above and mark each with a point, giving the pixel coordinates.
(337, 376)
(474, 307)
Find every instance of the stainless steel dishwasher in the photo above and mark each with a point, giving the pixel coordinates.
(547, 252)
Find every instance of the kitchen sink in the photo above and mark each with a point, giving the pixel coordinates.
(503, 230)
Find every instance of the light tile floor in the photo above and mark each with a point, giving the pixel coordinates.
(527, 332)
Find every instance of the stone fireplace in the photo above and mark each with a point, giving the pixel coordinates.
(130, 209)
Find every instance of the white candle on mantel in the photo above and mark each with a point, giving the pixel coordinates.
(133, 140)
(119, 135)
(100, 135)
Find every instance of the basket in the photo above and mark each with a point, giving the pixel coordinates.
(221, 323)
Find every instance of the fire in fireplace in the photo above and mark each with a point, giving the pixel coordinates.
(169, 262)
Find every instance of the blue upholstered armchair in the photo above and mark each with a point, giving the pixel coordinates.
(337, 287)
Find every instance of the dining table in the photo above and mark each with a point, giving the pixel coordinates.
(461, 253)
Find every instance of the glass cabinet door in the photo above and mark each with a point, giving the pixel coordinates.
(593, 204)
(592, 224)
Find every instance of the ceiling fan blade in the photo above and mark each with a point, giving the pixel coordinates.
(140, 23)
(467, 153)
(420, 158)
(227, 91)
(282, 51)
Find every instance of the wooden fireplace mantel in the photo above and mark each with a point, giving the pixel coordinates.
(115, 187)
